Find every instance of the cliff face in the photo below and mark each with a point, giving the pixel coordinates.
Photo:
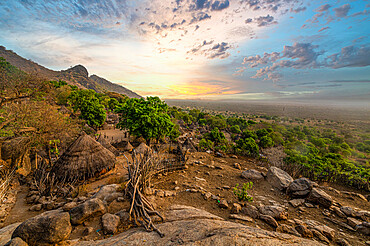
(77, 75)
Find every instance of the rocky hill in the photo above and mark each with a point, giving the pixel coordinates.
(77, 75)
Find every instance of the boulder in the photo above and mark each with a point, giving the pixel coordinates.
(348, 211)
(106, 191)
(110, 223)
(202, 229)
(223, 204)
(50, 227)
(363, 228)
(269, 220)
(304, 231)
(353, 222)
(123, 216)
(241, 217)
(277, 212)
(236, 208)
(17, 242)
(278, 178)
(6, 233)
(69, 206)
(250, 210)
(300, 188)
(287, 229)
(320, 197)
(90, 208)
(296, 202)
(320, 236)
(252, 174)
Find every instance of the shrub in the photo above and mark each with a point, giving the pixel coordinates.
(247, 147)
(242, 194)
(205, 144)
(266, 142)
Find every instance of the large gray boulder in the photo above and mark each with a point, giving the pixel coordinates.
(108, 192)
(252, 174)
(250, 210)
(47, 228)
(300, 188)
(110, 223)
(86, 210)
(198, 227)
(320, 197)
(278, 178)
(277, 212)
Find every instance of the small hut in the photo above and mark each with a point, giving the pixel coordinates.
(107, 145)
(128, 147)
(142, 148)
(83, 159)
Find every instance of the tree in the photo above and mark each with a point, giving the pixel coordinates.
(247, 147)
(88, 104)
(145, 118)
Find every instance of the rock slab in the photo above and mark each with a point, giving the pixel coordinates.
(47, 228)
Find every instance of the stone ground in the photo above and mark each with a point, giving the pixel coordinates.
(207, 185)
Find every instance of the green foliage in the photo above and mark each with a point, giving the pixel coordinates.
(247, 146)
(249, 134)
(112, 103)
(205, 144)
(235, 129)
(89, 106)
(58, 84)
(266, 142)
(145, 118)
(242, 194)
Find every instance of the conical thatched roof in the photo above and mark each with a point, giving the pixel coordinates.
(83, 159)
(128, 147)
(142, 148)
(107, 145)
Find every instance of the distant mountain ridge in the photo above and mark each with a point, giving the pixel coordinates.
(77, 75)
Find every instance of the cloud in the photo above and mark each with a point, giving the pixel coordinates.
(218, 50)
(298, 56)
(305, 56)
(220, 5)
(299, 9)
(350, 81)
(205, 5)
(324, 28)
(323, 8)
(342, 11)
(350, 56)
(265, 20)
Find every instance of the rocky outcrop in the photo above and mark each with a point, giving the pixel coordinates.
(86, 210)
(320, 197)
(47, 228)
(17, 242)
(300, 187)
(110, 223)
(252, 174)
(278, 178)
(277, 212)
(191, 226)
(6, 233)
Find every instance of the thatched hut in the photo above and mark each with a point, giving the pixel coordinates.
(107, 145)
(83, 159)
(142, 148)
(128, 147)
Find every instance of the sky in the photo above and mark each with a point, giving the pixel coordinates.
(202, 49)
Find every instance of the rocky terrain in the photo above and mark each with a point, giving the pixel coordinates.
(77, 75)
(199, 208)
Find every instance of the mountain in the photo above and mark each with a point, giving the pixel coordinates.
(77, 75)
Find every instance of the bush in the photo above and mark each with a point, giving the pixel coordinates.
(242, 194)
(247, 147)
(205, 144)
(266, 142)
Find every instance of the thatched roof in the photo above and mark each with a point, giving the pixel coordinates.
(142, 148)
(107, 145)
(83, 159)
(128, 147)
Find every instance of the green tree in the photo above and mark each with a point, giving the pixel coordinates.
(88, 104)
(247, 147)
(266, 142)
(145, 118)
